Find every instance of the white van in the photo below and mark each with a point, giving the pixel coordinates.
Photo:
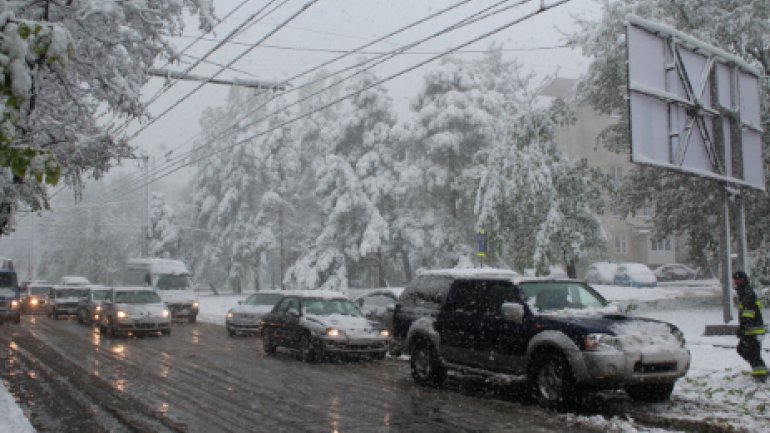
(172, 281)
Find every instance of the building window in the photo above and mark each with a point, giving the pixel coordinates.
(661, 244)
(621, 244)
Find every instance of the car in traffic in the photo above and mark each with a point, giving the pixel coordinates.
(675, 272)
(63, 301)
(560, 335)
(171, 279)
(600, 273)
(34, 296)
(135, 310)
(90, 304)
(378, 304)
(245, 317)
(634, 275)
(319, 323)
(10, 303)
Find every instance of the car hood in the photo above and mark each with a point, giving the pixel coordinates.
(634, 333)
(142, 309)
(349, 324)
(259, 310)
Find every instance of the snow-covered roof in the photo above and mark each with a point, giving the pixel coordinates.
(159, 266)
(471, 272)
(74, 280)
(323, 294)
(133, 289)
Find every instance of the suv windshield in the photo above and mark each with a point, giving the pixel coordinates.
(173, 282)
(42, 290)
(551, 296)
(263, 299)
(7, 293)
(327, 307)
(100, 295)
(70, 293)
(8, 279)
(138, 297)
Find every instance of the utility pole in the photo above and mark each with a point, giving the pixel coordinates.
(146, 235)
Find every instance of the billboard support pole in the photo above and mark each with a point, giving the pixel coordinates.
(742, 242)
(727, 310)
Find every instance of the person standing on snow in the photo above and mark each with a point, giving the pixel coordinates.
(750, 326)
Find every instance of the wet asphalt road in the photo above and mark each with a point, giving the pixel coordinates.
(68, 377)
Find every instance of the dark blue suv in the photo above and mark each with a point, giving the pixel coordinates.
(10, 305)
(559, 335)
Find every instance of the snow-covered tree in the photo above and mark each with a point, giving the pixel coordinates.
(738, 27)
(354, 175)
(165, 237)
(64, 64)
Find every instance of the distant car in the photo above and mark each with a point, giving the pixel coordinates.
(318, 323)
(10, 306)
(634, 275)
(601, 273)
(379, 304)
(675, 272)
(34, 296)
(74, 280)
(63, 301)
(90, 304)
(244, 318)
(134, 309)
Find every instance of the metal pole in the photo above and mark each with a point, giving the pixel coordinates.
(146, 226)
(742, 248)
(727, 310)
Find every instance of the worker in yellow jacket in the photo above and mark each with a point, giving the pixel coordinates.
(751, 327)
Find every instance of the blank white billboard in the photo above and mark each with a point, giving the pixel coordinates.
(693, 107)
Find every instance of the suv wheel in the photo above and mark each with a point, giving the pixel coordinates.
(650, 392)
(426, 368)
(267, 343)
(552, 380)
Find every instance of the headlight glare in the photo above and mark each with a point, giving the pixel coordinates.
(384, 333)
(121, 314)
(164, 313)
(229, 314)
(33, 301)
(98, 308)
(195, 304)
(333, 332)
(601, 342)
(14, 304)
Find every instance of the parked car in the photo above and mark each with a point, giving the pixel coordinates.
(559, 334)
(90, 305)
(601, 273)
(244, 318)
(378, 304)
(63, 301)
(634, 275)
(137, 310)
(74, 280)
(10, 304)
(318, 323)
(675, 272)
(34, 296)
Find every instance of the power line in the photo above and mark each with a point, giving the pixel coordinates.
(476, 17)
(498, 29)
(324, 64)
(407, 53)
(288, 20)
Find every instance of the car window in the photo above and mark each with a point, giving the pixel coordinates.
(328, 307)
(39, 290)
(378, 300)
(7, 279)
(263, 299)
(99, 295)
(173, 282)
(70, 293)
(137, 297)
(286, 304)
(480, 297)
(551, 296)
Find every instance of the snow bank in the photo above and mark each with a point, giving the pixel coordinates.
(12, 418)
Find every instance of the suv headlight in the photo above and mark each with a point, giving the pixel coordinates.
(230, 314)
(333, 332)
(384, 333)
(164, 313)
(602, 343)
(121, 314)
(14, 304)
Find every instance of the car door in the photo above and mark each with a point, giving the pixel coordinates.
(505, 345)
(281, 322)
(456, 323)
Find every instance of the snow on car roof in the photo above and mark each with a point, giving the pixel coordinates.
(133, 289)
(471, 272)
(74, 280)
(635, 267)
(324, 294)
(159, 266)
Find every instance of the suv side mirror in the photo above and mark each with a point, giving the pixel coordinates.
(293, 312)
(513, 312)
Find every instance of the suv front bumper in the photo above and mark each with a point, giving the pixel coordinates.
(613, 368)
(183, 310)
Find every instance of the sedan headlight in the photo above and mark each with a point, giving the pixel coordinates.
(33, 301)
(14, 304)
(121, 314)
(195, 304)
(164, 313)
(229, 314)
(602, 343)
(333, 332)
(384, 333)
(98, 308)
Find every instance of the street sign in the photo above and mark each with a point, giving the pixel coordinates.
(481, 241)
